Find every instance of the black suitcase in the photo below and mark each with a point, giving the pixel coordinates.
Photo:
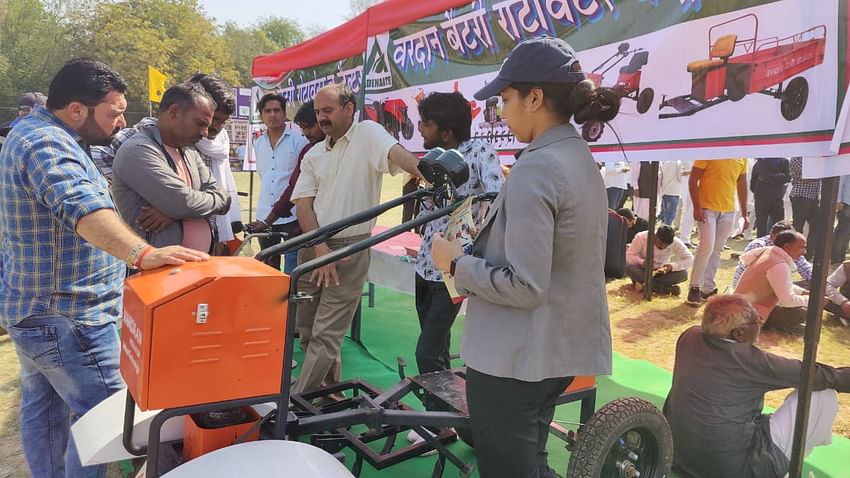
(615, 248)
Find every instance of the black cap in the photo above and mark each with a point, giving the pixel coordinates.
(536, 60)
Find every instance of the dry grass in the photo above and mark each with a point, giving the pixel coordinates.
(642, 330)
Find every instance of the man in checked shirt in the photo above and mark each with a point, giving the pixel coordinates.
(63, 256)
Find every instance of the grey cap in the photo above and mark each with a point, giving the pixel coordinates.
(32, 99)
(536, 60)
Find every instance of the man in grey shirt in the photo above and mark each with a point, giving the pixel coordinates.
(715, 405)
(158, 169)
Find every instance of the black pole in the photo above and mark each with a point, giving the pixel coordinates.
(826, 220)
(650, 233)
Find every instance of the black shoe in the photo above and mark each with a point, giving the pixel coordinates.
(693, 296)
(673, 290)
(705, 295)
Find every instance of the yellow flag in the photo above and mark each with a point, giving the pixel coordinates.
(156, 84)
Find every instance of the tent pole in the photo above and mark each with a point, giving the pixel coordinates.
(650, 233)
(826, 221)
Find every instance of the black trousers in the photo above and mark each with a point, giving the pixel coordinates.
(510, 423)
(289, 228)
(769, 210)
(437, 314)
(804, 210)
(842, 235)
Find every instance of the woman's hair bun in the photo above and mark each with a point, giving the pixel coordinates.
(591, 103)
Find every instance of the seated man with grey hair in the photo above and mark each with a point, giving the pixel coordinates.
(715, 404)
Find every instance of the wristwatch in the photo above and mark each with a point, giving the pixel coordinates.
(134, 254)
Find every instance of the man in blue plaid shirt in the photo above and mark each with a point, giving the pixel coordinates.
(61, 268)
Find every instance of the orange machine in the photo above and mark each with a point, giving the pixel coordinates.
(203, 332)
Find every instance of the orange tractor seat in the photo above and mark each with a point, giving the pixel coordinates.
(719, 53)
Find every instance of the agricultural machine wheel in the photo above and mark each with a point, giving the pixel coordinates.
(736, 88)
(626, 438)
(407, 128)
(794, 98)
(592, 130)
(644, 100)
(465, 434)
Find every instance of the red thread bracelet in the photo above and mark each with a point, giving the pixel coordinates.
(138, 264)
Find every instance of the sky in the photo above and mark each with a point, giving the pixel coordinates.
(323, 13)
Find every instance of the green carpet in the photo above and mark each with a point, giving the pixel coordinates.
(390, 330)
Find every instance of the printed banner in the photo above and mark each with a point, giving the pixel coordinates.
(699, 80)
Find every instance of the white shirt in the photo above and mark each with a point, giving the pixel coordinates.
(616, 175)
(637, 253)
(833, 284)
(275, 166)
(346, 178)
(670, 178)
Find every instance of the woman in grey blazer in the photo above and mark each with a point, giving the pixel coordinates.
(537, 314)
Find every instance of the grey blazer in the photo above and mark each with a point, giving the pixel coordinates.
(143, 174)
(536, 285)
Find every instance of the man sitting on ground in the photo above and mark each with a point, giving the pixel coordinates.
(636, 224)
(804, 267)
(766, 281)
(671, 261)
(838, 292)
(715, 404)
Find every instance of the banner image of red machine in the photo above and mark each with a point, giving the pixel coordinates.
(732, 78)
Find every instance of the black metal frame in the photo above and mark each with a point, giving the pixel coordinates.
(382, 412)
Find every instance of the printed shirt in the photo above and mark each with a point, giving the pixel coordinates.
(103, 156)
(485, 176)
(804, 188)
(47, 184)
(275, 166)
(804, 267)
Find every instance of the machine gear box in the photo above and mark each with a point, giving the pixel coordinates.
(203, 332)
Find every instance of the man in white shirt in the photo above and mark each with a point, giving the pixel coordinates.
(339, 177)
(616, 176)
(838, 292)
(669, 189)
(277, 155)
(766, 281)
(671, 260)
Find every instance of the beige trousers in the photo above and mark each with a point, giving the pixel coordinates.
(322, 322)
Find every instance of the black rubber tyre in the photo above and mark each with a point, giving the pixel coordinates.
(794, 98)
(592, 130)
(465, 434)
(622, 427)
(644, 100)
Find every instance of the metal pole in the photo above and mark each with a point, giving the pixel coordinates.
(650, 233)
(251, 196)
(826, 220)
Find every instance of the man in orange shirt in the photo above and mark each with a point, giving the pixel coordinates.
(712, 186)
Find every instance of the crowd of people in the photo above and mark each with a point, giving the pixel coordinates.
(86, 200)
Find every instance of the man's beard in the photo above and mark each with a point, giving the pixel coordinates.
(93, 135)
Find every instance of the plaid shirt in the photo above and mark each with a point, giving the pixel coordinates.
(47, 184)
(804, 188)
(804, 267)
(103, 156)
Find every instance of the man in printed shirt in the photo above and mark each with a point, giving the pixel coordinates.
(838, 292)
(61, 270)
(446, 119)
(158, 168)
(671, 260)
(339, 177)
(805, 201)
(804, 267)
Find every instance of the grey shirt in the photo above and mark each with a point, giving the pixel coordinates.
(715, 405)
(144, 175)
(536, 283)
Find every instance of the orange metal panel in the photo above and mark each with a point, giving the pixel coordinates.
(581, 382)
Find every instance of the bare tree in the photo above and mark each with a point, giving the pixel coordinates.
(356, 7)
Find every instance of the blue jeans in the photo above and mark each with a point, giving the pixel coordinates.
(615, 197)
(66, 369)
(290, 261)
(669, 208)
